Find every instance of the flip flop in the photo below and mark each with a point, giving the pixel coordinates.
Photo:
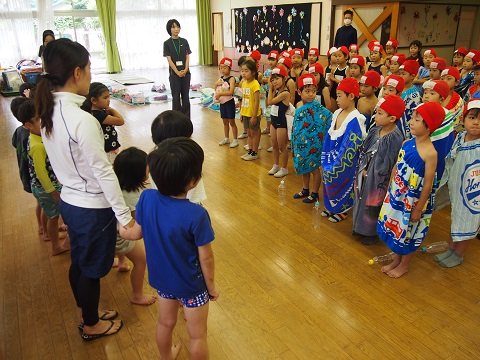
(105, 317)
(88, 338)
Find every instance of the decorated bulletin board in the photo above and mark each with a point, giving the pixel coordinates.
(271, 27)
(431, 24)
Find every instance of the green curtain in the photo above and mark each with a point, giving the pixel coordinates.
(204, 17)
(108, 19)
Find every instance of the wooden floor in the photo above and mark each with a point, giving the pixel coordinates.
(288, 291)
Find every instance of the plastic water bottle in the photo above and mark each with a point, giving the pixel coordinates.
(282, 193)
(381, 259)
(316, 215)
(439, 246)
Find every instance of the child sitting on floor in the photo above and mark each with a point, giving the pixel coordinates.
(377, 158)
(340, 152)
(310, 124)
(130, 166)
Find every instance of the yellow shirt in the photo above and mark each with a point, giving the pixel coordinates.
(39, 156)
(248, 98)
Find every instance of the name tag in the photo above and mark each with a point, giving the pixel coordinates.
(274, 110)
(339, 77)
(179, 63)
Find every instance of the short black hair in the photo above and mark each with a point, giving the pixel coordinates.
(241, 60)
(25, 86)
(23, 109)
(171, 124)
(476, 67)
(348, 11)
(474, 112)
(417, 43)
(170, 23)
(130, 166)
(175, 164)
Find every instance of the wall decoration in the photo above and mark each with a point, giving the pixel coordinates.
(272, 27)
(431, 24)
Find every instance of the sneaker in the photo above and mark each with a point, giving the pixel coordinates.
(234, 143)
(243, 136)
(270, 149)
(313, 197)
(274, 170)
(224, 142)
(281, 173)
(265, 131)
(245, 155)
(251, 156)
(245, 146)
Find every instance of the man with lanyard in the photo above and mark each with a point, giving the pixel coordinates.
(177, 51)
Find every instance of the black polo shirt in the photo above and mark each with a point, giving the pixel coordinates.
(177, 49)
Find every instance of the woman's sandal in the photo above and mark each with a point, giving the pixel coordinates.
(87, 337)
(335, 218)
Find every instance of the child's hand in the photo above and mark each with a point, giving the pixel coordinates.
(253, 120)
(213, 294)
(332, 77)
(416, 214)
(56, 196)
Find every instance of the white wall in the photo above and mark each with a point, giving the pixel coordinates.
(316, 39)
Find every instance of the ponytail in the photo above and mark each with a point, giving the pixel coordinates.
(61, 58)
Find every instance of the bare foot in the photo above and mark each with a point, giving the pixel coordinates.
(142, 299)
(60, 249)
(115, 262)
(40, 230)
(398, 271)
(45, 237)
(385, 269)
(63, 227)
(175, 350)
(102, 326)
(123, 266)
(62, 235)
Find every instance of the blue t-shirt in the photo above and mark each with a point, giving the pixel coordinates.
(173, 229)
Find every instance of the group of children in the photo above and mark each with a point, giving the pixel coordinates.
(174, 167)
(376, 132)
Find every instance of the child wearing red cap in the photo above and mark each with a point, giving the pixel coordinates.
(297, 69)
(356, 67)
(476, 86)
(453, 102)
(408, 70)
(352, 50)
(340, 56)
(407, 208)
(393, 85)
(272, 63)
(256, 56)
(442, 138)
(376, 60)
(395, 62)
(390, 49)
(323, 93)
(250, 109)
(466, 76)
(312, 57)
(331, 65)
(279, 101)
(369, 84)
(225, 86)
(377, 158)
(310, 124)
(340, 152)
(424, 71)
(463, 169)
(437, 65)
(458, 56)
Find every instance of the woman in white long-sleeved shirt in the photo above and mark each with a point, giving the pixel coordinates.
(91, 199)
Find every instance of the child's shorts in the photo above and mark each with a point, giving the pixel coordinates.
(195, 301)
(278, 123)
(227, 110)
(123, 247)
(46, 202)
(246, 123)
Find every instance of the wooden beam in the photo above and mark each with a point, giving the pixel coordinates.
(377, 22)
(395, 17)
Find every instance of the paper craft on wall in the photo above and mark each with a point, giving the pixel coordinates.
(272, 27)
(431, 24)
